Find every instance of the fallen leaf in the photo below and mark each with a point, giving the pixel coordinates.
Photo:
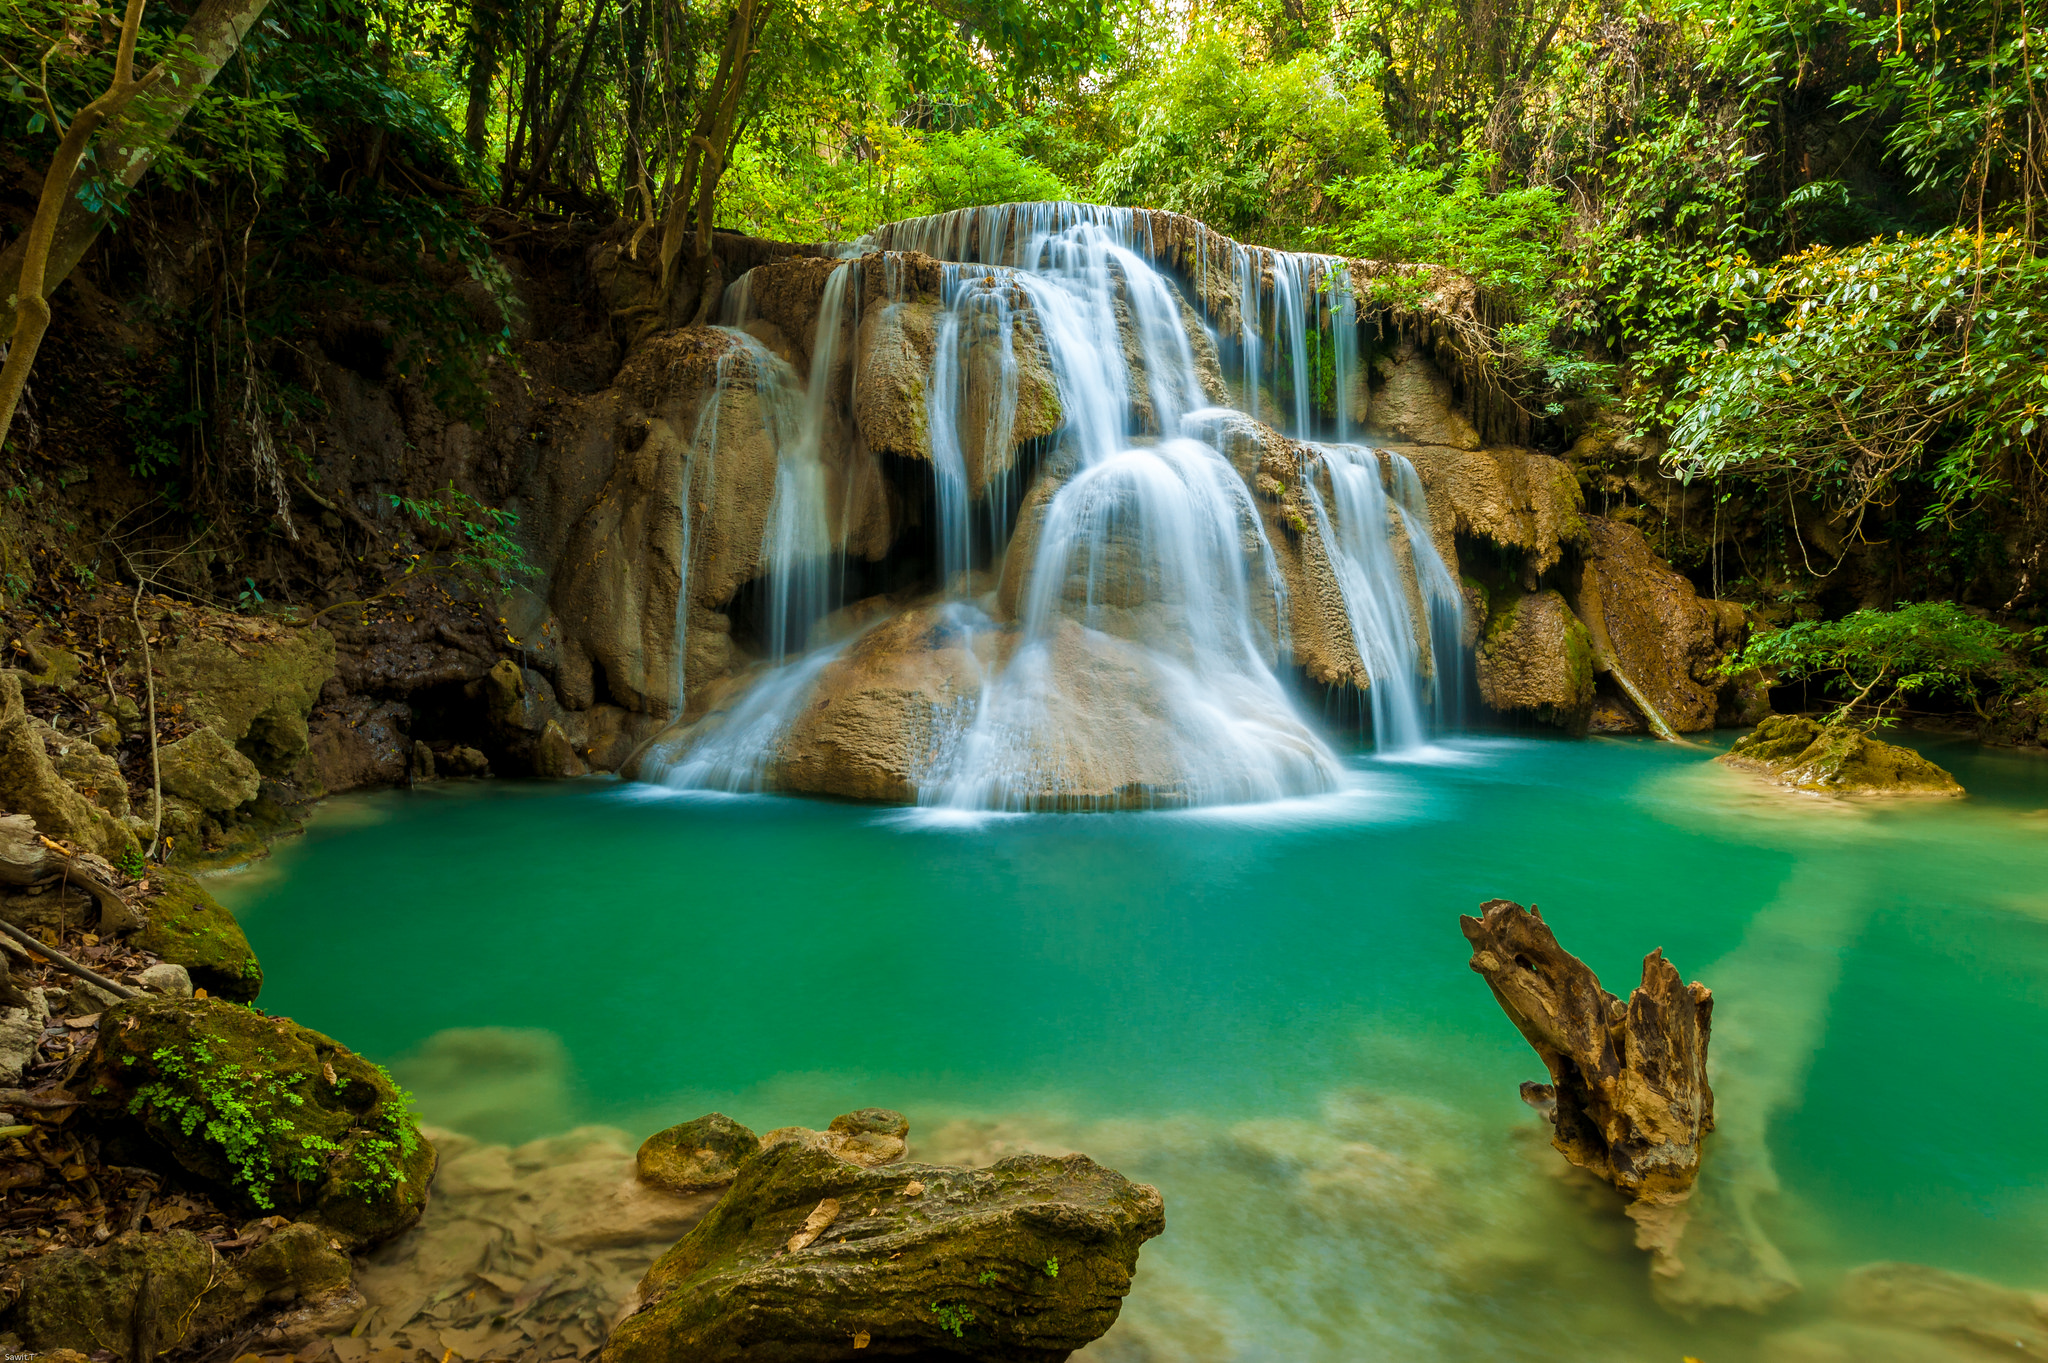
(81, 1023)
(913, 1189)
(860, 1339)
(327, 1073)
(199, 993)
(822, 1216)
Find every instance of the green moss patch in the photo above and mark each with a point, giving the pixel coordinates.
(190, 927)
(275, 1116)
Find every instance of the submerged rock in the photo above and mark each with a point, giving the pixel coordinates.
(271, 1115)
(809, 1257)
(1628, 1098)
(696, 1156)
(1925, 1315)
(1836, 759)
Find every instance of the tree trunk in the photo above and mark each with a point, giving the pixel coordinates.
(484, 20)
(693, 206)
(129, 142)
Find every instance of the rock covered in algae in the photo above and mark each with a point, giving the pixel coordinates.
(189, 927)
(695, 1156)
(1536, 658)
(1628, 1097)
(1835, 759)
(809, 1257)
(271, 1115)
(145, 1293)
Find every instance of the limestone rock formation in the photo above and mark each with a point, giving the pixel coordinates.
(1628, 1096)
(189, 927)
(143, 1294)
(1526, 503)
(1535, 658)
(808, 1257)
(1414, 404)
(256, 696)
(1913, 1312)
(892, 371)
(1647, 620)
(207, 770)
(269, 1114)
(871, 1137)
(1835, 759)
(696, 1156)
(31, 784)
(885, 712)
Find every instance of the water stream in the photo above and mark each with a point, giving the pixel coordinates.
(1149, 544)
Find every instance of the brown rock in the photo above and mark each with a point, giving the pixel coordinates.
(1515, 499)
(1535, 658)
(30, 784)
(696, 1156)
(1646, 619)
(1838, 759)
(1023, 1262)
(1414, 404)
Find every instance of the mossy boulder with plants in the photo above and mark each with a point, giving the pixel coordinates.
(189, 927)
(1835, 759)
(145, 1293)
(272, 1115)
(809, 1254)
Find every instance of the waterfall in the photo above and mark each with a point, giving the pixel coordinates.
(1147, 640)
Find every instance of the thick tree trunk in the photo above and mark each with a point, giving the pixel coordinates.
(128, 145)
(1628, 1092)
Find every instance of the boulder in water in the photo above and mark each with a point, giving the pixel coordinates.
(188, 926)
(809, 1257)
(696, 1156)
(1536, 658)
(1835, 759)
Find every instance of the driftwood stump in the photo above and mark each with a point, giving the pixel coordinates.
(1628, 1094)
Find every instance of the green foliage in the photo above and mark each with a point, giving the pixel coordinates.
(955, 1318)
(480, 536)
(130, 863)
(241, 1111)
(1052, 1267)
(1247, 148)
(1915, 358)
(1881, 657)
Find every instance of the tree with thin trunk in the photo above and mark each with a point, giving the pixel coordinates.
(123, 130)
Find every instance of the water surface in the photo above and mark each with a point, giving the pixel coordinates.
(1266, 1011)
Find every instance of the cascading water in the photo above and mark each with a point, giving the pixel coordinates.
(1149, 607)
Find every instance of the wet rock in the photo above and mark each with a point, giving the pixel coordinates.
(460, 761)
(421, 768)
(1628, 1099)
(204, 768)
(189, 927)
(496, 1083)
(271, 1115)
(30, 783)
(871, 1137)
(1023, 1262)
(143, 1294)
(885, 713)
(1514, 499)
(892, 373)
(361, 742)
(1536, 658)
(1414, 403)
(696, 1156)
(1647, 620)
(1838, 759)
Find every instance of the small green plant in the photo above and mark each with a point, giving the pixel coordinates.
(955, 1318)
(131, 864)
(484, 546)
(1052, 1267)
(248, 599)
(988, 1276)
(1877, 659)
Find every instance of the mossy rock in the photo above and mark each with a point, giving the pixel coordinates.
(1835, 759)
(696, 1156)
(1022, 1262)
(189, 927)
(274, 1116)
(155, 1291)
